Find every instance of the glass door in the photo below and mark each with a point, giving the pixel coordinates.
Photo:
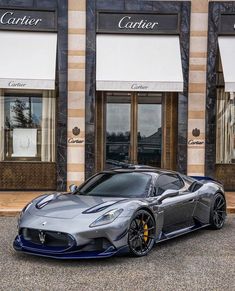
(118, 128)
(133, 128)
(149, 128)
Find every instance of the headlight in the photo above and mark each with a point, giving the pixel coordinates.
(107, 218)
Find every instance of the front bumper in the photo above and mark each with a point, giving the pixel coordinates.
(72, 252)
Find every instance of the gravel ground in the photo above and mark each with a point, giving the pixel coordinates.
(203, 260)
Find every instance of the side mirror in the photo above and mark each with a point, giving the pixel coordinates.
(167, 194)
(73, 188)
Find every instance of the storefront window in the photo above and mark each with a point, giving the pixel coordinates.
(27, 126)
(225, 129)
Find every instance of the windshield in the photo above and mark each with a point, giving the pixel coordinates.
(117, 185)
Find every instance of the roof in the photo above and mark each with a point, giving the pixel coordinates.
(137, 168)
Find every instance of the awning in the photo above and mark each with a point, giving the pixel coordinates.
(27, 60)
(138, 63)
(227, 54)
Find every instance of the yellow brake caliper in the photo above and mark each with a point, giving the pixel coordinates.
(146, 231)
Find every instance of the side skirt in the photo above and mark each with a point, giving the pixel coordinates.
(173, 234)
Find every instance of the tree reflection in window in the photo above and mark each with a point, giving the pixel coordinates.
(23, 117)
(23, 112)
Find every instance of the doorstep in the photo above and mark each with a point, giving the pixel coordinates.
(11, 203)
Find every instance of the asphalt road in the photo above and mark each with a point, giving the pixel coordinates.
(203, 260)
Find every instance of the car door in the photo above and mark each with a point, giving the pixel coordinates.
(178, 210)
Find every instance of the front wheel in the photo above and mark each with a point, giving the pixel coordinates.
(141, 234)
(218, 212)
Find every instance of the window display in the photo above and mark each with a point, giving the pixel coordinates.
(27, 126)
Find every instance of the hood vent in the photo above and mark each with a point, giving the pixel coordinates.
(44, 201)
(100, 207)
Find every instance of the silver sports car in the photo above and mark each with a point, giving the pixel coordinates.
(126, 209)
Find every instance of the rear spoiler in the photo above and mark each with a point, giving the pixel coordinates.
(204, 178)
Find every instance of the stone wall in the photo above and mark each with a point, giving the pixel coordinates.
(197, 84)
(76, 88)
(196, 95)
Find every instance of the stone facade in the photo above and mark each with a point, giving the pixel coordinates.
(197, 85)
(76, 79)
(61, 8)
(76, 88)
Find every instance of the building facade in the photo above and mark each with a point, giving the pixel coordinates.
(87, 84)
(33, 113)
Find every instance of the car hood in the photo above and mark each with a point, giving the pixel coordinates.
(70, 206)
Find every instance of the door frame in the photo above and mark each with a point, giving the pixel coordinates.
(184, 10)
(169, 131)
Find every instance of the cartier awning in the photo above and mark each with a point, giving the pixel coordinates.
(27, 60)
(138, 63)
(227, 54)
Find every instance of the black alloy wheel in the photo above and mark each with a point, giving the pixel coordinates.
(218, 212)
(142, 233)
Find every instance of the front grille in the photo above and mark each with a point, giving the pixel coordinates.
(47, 238)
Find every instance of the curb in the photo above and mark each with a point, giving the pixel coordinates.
(9, 212)
(230, 210)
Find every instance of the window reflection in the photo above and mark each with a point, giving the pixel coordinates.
(133, 128)
(149, 131)
(117, 129)
(28, 127)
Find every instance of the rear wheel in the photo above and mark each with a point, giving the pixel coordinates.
(141, 234)
(218, 212)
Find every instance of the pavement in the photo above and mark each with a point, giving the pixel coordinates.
(12, 202)
(203, 260)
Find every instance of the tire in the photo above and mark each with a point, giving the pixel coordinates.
(218, 212)
(141, 233)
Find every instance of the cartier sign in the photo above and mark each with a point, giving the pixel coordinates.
(17, 19)
(136, 23)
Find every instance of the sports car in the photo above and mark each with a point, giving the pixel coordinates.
(126, 209)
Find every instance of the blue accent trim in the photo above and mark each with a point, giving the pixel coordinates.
(71, 253)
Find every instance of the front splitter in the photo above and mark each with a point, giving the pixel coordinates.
(73, 254)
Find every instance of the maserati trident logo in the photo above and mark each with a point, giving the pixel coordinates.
(42, 237)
